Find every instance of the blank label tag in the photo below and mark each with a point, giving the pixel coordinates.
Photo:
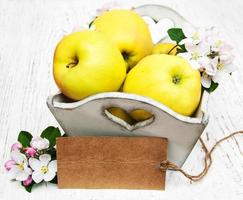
(111, 162)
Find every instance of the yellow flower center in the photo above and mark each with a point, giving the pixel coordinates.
(44, 169)
(218, 43)
(195, 36)
(220, 66)
(195, 55)
(21, 166)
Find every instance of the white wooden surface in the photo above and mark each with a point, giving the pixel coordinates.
(29, 31)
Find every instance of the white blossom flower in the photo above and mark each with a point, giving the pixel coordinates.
(20, 170)
(218, 47)
(224, 66)
(193, 36)
(213, 39)
(39, 143)
(193, 62)
(44, 168)
(209, 53)
(219, 68)
(221, 56)
(196, 55)
(207, 67)
(214, 72)
(208, 70)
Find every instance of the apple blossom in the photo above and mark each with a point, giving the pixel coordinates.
(24, 161)
(16, 146)
(209, 53)
(193, 36)
(39, 143)
(44, 168)
(193, 62)
(221, 56)
(20, 170)
(196, 55)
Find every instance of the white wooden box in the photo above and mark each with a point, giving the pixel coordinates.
(89, 116)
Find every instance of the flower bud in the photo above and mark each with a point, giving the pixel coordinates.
(30, 151)
(39, 143)
(28, 181)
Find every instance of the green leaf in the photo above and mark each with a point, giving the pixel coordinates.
(51, 133)
(53, 153)
(182, 49)
(212, 87)
(176, 34)
(29, 187)
(24, 138)
(54, 180)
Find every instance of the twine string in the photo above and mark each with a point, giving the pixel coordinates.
(167, 165)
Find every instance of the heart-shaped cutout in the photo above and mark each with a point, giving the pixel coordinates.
(132, 120)
(158, 29)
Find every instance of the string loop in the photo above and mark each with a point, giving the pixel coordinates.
(167, 165)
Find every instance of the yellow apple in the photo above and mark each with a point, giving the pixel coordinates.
(165, 48)
(134, 116)
(140, 115)
(86, 63)
(128, 31)
(122, 114)
(168, 79)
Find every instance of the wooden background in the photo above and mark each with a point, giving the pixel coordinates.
(29, 31)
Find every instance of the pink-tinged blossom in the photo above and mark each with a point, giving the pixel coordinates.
(9, 164)
(20, 170)
(16, 146)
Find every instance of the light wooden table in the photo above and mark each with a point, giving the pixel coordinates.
(29, 31)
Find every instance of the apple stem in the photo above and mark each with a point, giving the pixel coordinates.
(125, 55)
(172, 49)
(71, 65)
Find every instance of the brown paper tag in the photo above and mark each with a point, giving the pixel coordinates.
(111, 162)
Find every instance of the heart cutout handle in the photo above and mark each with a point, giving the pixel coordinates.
(158, 29)
(132, 120)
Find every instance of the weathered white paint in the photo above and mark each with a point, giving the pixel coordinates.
(89, 117)
(29, 31)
